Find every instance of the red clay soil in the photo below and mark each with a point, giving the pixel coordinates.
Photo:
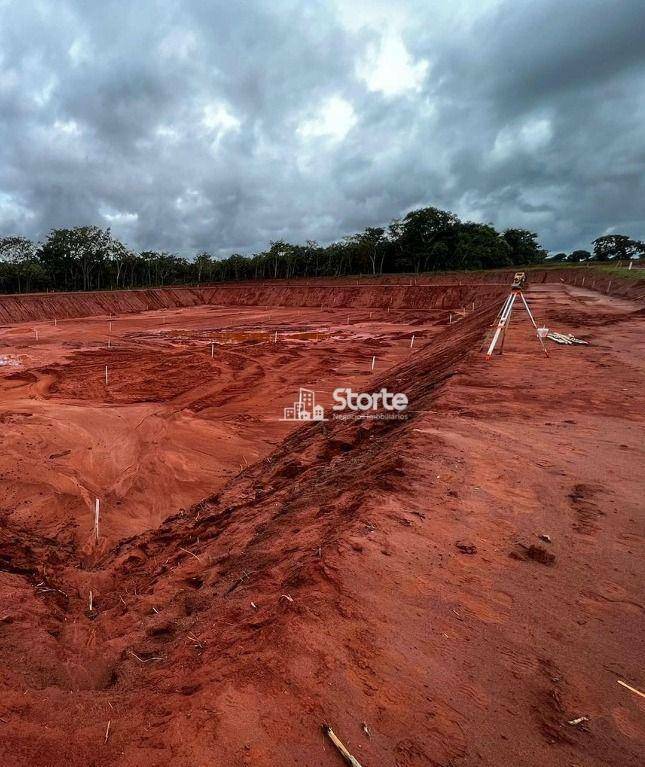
(618, 281)
(341, 293)
(463, 587)
(450, 290)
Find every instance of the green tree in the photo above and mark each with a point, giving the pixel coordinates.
(19, 253)
(238, 266)
(579, 255)
(524, 247)
(367, 249)
(611, 246)
(77, 257)
(421, 231)
(203, 266)
(480, 246)
(117, 257)
(277, 257)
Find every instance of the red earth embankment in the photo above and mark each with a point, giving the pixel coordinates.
(614, 282)
(428, 291)
(50, 306)
(588, 277)
(626, 285)
(422, 296)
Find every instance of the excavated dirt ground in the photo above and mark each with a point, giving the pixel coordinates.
(255, 579)
(178, 416)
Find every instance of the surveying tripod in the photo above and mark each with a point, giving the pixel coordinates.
(504, 317)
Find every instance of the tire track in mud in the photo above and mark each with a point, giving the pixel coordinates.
(252, 373)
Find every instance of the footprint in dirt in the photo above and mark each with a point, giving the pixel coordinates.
(587, 513)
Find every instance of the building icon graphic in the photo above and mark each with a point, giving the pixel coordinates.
(305, 409)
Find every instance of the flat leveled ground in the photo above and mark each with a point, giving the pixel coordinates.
(461, 589)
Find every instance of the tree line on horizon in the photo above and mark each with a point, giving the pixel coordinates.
(427, 239)
(609, 247)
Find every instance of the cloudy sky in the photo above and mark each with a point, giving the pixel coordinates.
(224, 124)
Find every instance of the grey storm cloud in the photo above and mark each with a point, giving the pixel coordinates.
(192, 125)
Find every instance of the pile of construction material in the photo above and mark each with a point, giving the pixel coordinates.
(560, 338)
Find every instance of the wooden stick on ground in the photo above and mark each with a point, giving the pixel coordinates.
(96, 517)
(181, 548)
(352, 761)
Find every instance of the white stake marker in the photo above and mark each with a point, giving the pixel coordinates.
(412, 341)
(373, 362)
(96, 518)
(36, 332)
(450, 319)
(275, 337)
(106, 376)
(212, 349)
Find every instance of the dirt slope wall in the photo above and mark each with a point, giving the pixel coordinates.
(447, 291)
(626, 285)
(594, 279)
(48, 306)
(447, 296)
